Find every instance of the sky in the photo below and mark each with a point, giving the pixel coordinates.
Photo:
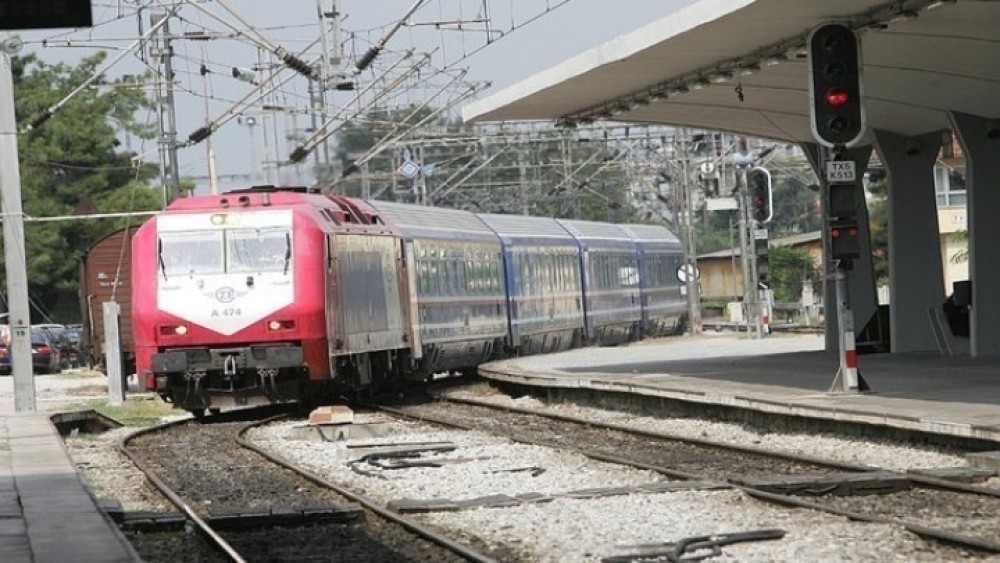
(533, 38)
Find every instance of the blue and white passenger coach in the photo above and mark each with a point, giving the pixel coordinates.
(660, 257)
(544, 288)
(457, 293)
(612, 305)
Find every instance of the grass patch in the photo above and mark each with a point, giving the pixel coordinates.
(80, 374)
(88, 390)
(135, 411)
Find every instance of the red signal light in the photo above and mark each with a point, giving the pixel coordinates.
(838, 232)
(837, 97)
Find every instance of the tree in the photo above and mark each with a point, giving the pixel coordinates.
(960, 256)
(791, 270)
(72, 165)
(878, 226)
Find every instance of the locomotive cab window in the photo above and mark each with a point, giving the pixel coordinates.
(191, 252)
(258, 250)
(238, 251)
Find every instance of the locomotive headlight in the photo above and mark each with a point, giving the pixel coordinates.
(219, 219)
(280, 325)
(173, 330)
(274, 325)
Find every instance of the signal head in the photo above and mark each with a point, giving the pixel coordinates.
(835, 85)
(759, 188)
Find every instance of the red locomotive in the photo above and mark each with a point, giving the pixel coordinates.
(263, 295)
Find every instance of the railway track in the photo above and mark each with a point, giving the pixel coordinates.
(949, 513)
(253, 507)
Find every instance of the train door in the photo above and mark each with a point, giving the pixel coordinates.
(371, 314)
(334, 327)
(410, 297)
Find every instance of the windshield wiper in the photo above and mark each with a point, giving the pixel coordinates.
(159, 257)
(288, 251)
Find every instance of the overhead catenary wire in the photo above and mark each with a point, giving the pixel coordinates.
(45, 114)
(366, 60)
(386, 141)
(291, 60)
(324, 131)
(230, 24)
(241, 105)
(416, 110)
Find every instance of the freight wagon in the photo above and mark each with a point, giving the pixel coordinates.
(105, 275)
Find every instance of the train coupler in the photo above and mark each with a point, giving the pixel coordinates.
(195, 396)
(268, 383)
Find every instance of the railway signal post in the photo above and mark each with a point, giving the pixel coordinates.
(761, 198)
(838, 120)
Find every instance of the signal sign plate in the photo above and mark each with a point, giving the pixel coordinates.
(841, 172)
(409, 169)
(687, 271)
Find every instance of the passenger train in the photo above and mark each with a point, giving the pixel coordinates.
(283, 294)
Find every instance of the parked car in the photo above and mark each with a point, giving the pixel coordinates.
(44, 355)
(61, 344)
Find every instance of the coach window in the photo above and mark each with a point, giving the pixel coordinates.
(533, 267)
(463, 277)
(523, 268)
(422, 285)
(432, 278)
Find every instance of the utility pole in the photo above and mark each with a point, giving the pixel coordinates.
(213, 175)
(163, 53)
(318, 89)
(19, 317)
(746, 254)
(687, 228)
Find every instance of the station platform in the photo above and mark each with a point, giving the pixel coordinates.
(788, 375)
(46, 513)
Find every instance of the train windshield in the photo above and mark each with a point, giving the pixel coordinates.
(238, 251)
(197, 252)
(258, 250)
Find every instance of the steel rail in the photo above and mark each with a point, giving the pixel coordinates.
(927, 481)
(203, 528)
(414, 527)
(938, 535)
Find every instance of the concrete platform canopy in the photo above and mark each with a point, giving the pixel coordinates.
(928, 67)
(921, 59)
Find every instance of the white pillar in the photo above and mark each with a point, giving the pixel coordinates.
(980, 138)
(916, 276)
(13, 238)
(113, 353)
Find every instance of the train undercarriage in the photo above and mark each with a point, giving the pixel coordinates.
(199, 379)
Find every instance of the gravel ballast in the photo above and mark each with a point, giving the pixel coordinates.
(569, 529)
